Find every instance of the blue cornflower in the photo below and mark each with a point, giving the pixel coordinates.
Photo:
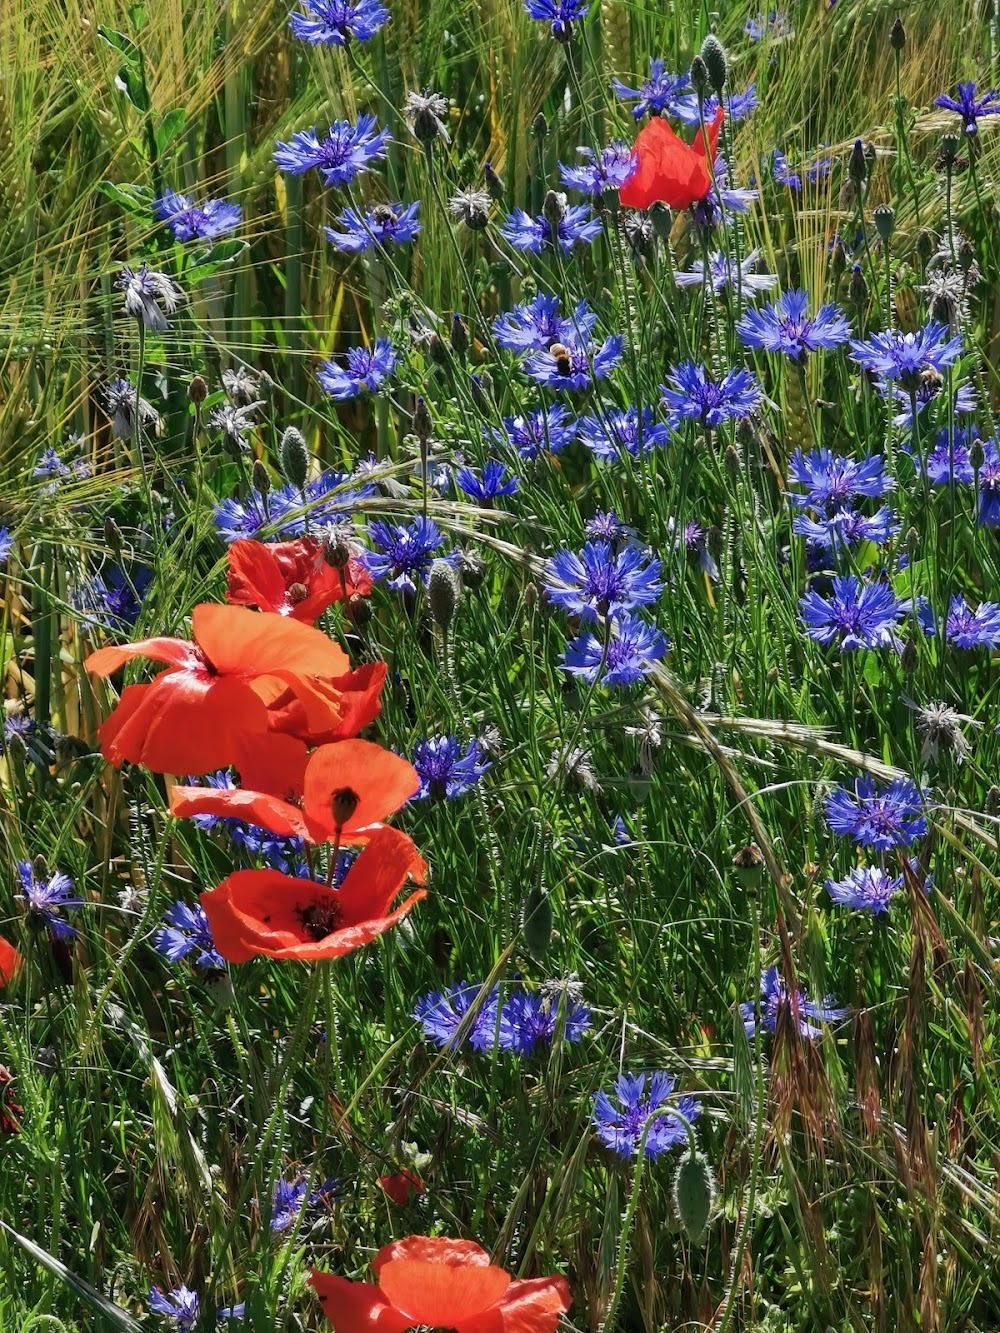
(548, 430)
(722, 200)
(367, 368)
(183, 1306)
(380, 225)
(570, 367)
(616, 433)
(526, 1020)
(6, 544)
(405, 552)
(441, 1013)
(722, 274)
(633, 648)
(989, 486)
(855, 615)
(326, 499)
(600, 581)
(197, 222)
(337, 22)
(607, 527)
(50, 465)
(576, 226)
(607, 170)
(830, 480)
(819, 170)
(846, 528)
(445, 772)
(969, 629)
(774, 994)
(658, 94)
(784, 326)
(148, 295)
(237, 520)
(782, 171)
(113, 599)
(492, 483)
(907, 357)
(865, 889)
(187, 930)
(880, 819)
(560, 15)
(970, 107)
(692, 395)
(536, 325)
(928, 391)
(776, 24)
(346, 151)
(46, 899)
(738, 107)
(620, 1127)
(948, 462)
(287, 1203)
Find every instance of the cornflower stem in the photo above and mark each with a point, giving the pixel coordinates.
(568, 749)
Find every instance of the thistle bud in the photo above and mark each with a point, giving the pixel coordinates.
(897, 38)
(662, 220)
(949, 149)
(422, 424)
(699, 78)
(554, 207)
(443, 593)
(294, 458)
(112, 536)
(857, 167)
(494, 184)
(260, 477)
(694, 1193)
(885, 222)
(197, 390)
(536, 922)
(717, 66)
(540, 126)
(459, 339)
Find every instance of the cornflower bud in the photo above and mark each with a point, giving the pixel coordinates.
(925, 245)
(422, 424)
(294, 458)
(260, 477)
(857, 167)
(540, 126)
(699, 78)
(858, 286)
(897, 37)
(359, 610)
(494, 184)
(554, 208)
(459, 335)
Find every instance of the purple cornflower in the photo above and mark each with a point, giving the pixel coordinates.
(536, 325)
(989, 486)
(119, 398)
(776, 24)
(738, 107)
(185, 931)
(620, 1127)
(616, 433)
(721, 202)
(830, 480)
(197, 222)
(846, 528)
(560, 15)
(948, 462)
(441, 1012)
(337, 22)
(380, 225)
(928, 391)
(879, 819)
(113, 599)
(6, 545)
(907, 357)
(600, 581)
(855, 615)
(367, 368)
(782, 171)
(183, 1306)
(608, 527)
(633, 648)
(658, 94)
(969, 107)
(147, 295)
(346, 151)
(969, 629)
(785, 326)
(865, 889)
(692, 395)
(286, 1205)
(576, 226)
(50, 465)
(405, 552)
(526, 1020)
(548, 430)
(493, 482)
(722, 274)
(46, 899)
(774, 993)
(571, 367)
(607, 170)
(446, 772)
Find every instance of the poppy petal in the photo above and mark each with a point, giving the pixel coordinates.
(531, 1306)
(441, 1295)
(381, 781)
(432, 1250)
(10, 962)
(355, 1307)
(378, 874)
(176, 652)
(354, 702)
(402, 1186)
(254, 577)
(273, 763)
(252, 807)
(241, 642)
(669, 171)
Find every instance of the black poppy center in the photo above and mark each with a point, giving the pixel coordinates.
(319, 918)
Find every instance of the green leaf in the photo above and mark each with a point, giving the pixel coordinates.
(134, 199)
(139, 17)
(170, 128)
(121, 43)
(114, 1316)
(207, 262)
(129, 80)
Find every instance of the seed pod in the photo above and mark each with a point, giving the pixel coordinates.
(443, 593)
(662, 219)
(885, 221)
(694, 1193)
(537, 922)
(294, 458)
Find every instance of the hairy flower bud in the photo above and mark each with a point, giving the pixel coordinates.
(714, 55)
(294, 458)
(443, 593)
(694, 1193)
(260, 477)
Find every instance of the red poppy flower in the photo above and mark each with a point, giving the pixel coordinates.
(291, 578)
(670, 172)
(354, 699)
(10, 962)
(261, 913)
(217, 689)
(334, 794)
(9, 1110)
(403, 1186)
(440, 1283)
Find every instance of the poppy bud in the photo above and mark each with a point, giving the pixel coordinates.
(949, 149)
(112, 536)
(714, 55)
(294, 458)
(897, 37)
(858, 286)
(472, 568)
(197, 390)
(925, 245)
(537, 922)
(699, 77)
(857, 167)
(540, 126)
(662, 219)
(554, 207)
(908, 657)
(694, 1193)
(885, 221)
(493, 183)
(343, 804)
(260, 477)
(359, 610)
(443, 593)
(422, 425)
(459, 335)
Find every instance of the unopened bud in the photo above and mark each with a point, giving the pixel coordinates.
(699, 77)
(858, 286)
(294, 458)
(731, 461)
(966, 254)
(197, 390)
(359, 610)
(459, 335)
(857, 166)
(540, 126)
(714, 55)
(993, 802)
(481, 388)
(494, 184)
(443, 593)
(422, 425)
(694, 1193)
(976, 455)
(912, 542)
(472, 568)
(897, 38)
(662, 220)
(925, 245)
(554, 207)
(909, 658)
(260, 477)
(437, 351)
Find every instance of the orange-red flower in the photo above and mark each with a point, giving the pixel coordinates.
(670, 172)
(441, 1283)
(334, 794)
(291, 578)
(354, 697)
(218, 689)
(261, 913)
(401, 1187)
(10, 962)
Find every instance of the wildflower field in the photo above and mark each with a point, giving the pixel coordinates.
(499, 766)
